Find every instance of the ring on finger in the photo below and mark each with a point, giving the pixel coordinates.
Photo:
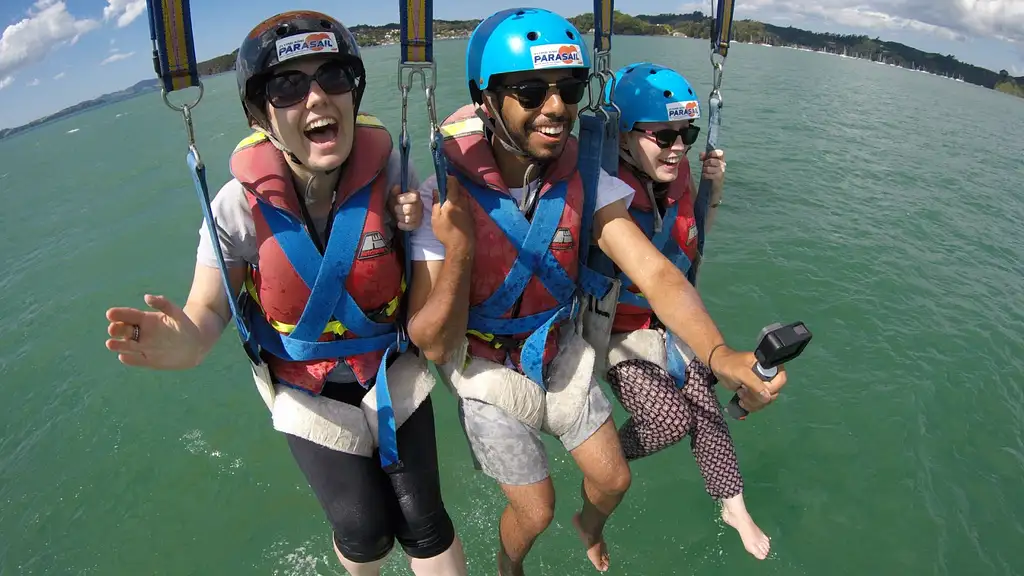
(135, 332)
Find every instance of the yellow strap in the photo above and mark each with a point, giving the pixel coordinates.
(369, 120)
(415, 40)
(333, 327)
(489, 338)
(462, 128)
(176, 42)
(251, 140)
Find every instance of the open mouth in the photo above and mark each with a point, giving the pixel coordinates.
(322, 130)
(671, 162)
(550, 132)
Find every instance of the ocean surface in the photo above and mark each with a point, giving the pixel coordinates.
(881, 206)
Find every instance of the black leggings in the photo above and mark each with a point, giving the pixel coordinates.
(368, 508)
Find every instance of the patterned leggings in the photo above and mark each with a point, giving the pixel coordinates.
(661, 414)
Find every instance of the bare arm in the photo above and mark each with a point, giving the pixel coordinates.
(716, 199)
(439, 304)
(672, 297)
(207, 305)
(169, 337)
(439, 294)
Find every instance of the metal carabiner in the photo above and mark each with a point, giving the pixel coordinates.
(186, 113)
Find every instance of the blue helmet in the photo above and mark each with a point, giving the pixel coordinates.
(520, 39)
(646, 92)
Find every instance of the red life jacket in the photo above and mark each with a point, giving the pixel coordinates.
(373, 284)
(633, 311)
(470, 155)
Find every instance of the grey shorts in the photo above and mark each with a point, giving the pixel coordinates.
(513, 453)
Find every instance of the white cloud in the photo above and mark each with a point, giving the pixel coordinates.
(125, 11)
(59, 76)
(951, 19)
(47, 27)
(33, 82)
(116, 57)
(6, 81)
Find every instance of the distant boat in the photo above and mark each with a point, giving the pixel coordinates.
(73, 130)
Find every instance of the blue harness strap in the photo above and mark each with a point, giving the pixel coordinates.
(174, 59)
(676, 363)
(417, 59)
(720, 36)
(532, 241)
(198, 171)
(661, 240)
(326, 275)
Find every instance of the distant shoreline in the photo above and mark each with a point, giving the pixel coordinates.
(693, 25)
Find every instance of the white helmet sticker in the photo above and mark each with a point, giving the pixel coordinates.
(306, 44)
(683, 110)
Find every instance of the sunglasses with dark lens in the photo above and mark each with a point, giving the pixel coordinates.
(666, 137)
(290, 87)
(532, 93)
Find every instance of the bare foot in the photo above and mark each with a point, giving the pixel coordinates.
(734, 513)
(597, 550)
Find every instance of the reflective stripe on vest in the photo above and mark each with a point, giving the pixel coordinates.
(532, 242)
(326, 276)
(333, 327)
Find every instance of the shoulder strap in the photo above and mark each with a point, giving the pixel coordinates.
(198, 171)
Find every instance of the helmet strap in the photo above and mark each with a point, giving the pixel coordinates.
(496, 124)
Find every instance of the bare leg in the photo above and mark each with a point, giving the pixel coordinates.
(529, 512)
(606, 478)
(451, 562)
(716, 456)
(357, 568)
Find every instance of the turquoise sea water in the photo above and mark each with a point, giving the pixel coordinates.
(880, 206)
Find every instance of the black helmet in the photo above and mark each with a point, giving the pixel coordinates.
(291, 35)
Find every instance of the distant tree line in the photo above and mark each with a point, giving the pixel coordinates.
(693, 25)
(698, 25)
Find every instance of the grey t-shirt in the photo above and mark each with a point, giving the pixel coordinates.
(237, 232)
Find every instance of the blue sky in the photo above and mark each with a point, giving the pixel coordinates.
(55, 53)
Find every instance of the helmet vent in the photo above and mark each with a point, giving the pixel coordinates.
(570, 34)
(282, 31)
(532, 36)
(325, 24)
(520, 13)
(690, 90)
(630, 71)
(668, 93)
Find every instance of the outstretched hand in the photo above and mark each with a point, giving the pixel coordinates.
(165, 339)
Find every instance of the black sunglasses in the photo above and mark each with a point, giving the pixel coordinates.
(666, 137)
(532, 93)
(290, 87)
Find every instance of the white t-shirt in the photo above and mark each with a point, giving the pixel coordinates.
(425, 246)
(237, 231)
